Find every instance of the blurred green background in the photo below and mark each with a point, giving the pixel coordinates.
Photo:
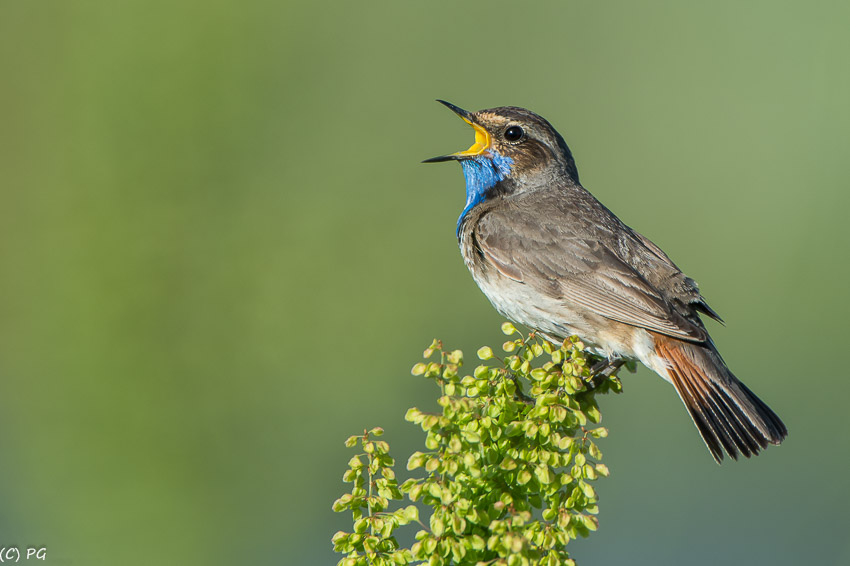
(220, 256)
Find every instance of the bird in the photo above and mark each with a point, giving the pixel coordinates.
(550, 256)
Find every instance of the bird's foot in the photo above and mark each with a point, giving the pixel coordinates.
(520, 395)
(602, 370)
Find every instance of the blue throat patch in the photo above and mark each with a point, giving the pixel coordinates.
(482, 173)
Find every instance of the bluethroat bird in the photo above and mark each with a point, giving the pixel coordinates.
(550, 256)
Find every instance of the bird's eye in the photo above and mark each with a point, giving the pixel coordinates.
(513, 134)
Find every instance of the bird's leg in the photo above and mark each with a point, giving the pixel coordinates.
(522, 397)
(602, 370)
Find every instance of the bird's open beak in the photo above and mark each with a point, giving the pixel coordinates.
(482, 137)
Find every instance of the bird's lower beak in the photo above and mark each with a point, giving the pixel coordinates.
(482, 137)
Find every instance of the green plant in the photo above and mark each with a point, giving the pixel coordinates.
(507, 473)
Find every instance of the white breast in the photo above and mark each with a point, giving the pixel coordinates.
(557, 318)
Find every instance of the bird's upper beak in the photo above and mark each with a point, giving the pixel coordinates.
(483, 141)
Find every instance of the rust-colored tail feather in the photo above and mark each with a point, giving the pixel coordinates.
(727, 414)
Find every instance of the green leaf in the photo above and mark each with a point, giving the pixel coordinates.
(413, 415)
(485, 353)
(342, 503)
(508, 329)
(514, 429)
(595, 451)
(599, 432)
(544, 475)
(539, 374)
(481, 372)
(455, 357)
(558, 414)
(437, 526)
(471, 436)
(458, 524)
(416, 460)
(432, 464)
(411, 513)
(431, 442)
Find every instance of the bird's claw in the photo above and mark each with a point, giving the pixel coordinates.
(602, 370)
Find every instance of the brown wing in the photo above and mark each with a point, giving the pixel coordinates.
(549, 255)
(684, 289)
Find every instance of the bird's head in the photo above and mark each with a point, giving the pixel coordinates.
(515, 150)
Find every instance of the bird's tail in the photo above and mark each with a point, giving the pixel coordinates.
(727, 414)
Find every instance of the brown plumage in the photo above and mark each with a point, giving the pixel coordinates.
(727, 414)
